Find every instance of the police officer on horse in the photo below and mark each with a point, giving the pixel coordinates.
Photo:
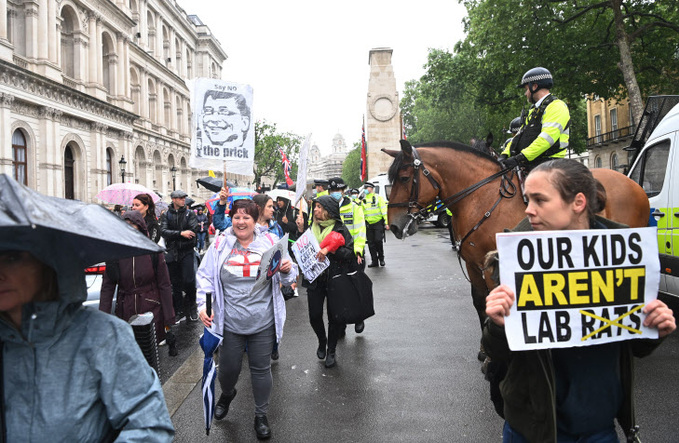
(544, 132)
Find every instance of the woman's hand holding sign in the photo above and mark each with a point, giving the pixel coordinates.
(286, 266)
(659, 316)
(498, 304)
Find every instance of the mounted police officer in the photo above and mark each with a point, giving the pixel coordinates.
(375, 212)
(351, 214)
(544, 132)
(514, 127)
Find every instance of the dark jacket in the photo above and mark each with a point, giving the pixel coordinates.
(172, 223)
(290, 227)
(202, 218)
(143, 285)
(153, 227)
(529, 390)
(343, 260)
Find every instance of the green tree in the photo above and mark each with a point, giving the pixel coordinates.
(610, 48)
(268, 158)
(351, 168)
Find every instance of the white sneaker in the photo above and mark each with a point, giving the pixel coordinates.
(162, 343)
(296, 294)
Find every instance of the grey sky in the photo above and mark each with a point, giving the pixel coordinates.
(307, 61)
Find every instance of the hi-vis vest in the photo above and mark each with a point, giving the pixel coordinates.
(374, 209)
(352, 217)
(544, 133)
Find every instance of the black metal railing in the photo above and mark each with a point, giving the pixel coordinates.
(611, 136)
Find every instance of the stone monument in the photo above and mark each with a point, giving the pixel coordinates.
(383, 122)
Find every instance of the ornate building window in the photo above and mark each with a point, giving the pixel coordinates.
(69, 173)
(19, 163)
(109, 167)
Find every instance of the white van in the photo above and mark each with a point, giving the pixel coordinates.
(656, 169)
(382, 186)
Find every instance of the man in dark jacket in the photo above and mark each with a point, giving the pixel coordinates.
(179, 228)
(203, 224)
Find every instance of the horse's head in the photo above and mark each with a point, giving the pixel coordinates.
(485, 146)
(410, 191)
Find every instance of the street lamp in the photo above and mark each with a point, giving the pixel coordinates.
(173, 170)
(122, 164)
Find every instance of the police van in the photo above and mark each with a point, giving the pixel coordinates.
(382, 186)
(656, 169)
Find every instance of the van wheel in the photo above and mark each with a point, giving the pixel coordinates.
(443, 220)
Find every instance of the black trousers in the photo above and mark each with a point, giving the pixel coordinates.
(375, 237)
(316, 298)
(183, 279)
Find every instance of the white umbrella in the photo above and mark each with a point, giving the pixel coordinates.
(289, 195)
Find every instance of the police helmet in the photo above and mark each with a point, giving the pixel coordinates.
(514, 126)
(539, 76)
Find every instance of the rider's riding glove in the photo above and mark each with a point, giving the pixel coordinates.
(513, 162)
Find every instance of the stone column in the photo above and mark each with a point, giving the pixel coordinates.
(92, 53)
(120, 75)
(3, 21)
(43, 30)
(383, 120)
(143, 27)
(143, 97)
(6, 101)
(99, 54)
(31, 31)
(53, 37)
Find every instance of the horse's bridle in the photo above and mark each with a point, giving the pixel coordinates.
(507, 190)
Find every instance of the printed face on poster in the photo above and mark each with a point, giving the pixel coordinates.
(578, 288)
(224, 126)
(305, 250)
(270, 263)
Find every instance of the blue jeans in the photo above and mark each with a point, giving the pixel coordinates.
(509, 435)
(201, 240)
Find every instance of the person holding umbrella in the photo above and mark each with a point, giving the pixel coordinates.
(241, 314)
(70, 373)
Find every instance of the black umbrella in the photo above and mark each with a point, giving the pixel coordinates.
(60, 229)
(213, 184)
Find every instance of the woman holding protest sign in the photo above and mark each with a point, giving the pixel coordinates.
(337, 245)
(243, 313)
(567, 394)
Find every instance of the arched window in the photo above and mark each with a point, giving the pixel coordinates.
(69, 21)
(69, 173)
(19, 163)
(109, 167)
(615, 163)
(108, 63)
(597, 162)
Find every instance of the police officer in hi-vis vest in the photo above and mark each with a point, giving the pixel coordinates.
(375, 213)
(544, 132)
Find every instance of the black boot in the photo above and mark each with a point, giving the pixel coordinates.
(330, 359)
(320, 352)
(222, 407)
(171, 343)
(262, 427)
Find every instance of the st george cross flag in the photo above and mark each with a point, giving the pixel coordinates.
(364, 161)
(223, 126)
(286, 167)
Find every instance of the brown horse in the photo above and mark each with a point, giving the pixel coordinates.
(484, 200)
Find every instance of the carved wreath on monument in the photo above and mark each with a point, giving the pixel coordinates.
(382, 107)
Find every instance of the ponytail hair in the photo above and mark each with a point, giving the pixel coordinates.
(570, 177)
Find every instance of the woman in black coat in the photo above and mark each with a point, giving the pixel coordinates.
(337, 245)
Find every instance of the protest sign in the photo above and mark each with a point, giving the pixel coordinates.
(224, 126)
(271, 263)
(302, 170)
(305, 250)
(578, 288)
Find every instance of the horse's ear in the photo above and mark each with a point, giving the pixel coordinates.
(489, 139)
(390, 152)
(406, 147)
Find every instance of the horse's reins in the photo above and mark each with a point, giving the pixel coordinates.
(507, 190)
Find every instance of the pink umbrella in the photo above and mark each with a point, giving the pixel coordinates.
(124, 193)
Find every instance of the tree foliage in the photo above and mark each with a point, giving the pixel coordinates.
(267, 157)
(472, 89)
(351, 168)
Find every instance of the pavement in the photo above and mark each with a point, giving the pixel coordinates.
(411, 376)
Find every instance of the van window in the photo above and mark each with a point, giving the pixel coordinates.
(387, 188)
(651, 168)
(377, 189)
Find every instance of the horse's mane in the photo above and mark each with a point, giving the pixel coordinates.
(398, 160)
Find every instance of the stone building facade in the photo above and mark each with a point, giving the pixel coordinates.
(383, 117)
(610, 129)
(324, 167)
(83, 85)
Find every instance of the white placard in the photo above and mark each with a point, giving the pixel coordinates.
(578, 288)
(305, 249)
(271, 263)
(300, 187)
(223, 125)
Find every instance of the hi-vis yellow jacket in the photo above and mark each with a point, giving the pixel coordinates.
(375, 209)
(352, 217)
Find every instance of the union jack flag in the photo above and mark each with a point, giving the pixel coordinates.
(286, 167)
(364, 162)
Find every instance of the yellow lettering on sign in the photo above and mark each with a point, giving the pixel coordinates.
(577, 282)
(602, 286)
(634, 274)
(554, 286)
(529, 292)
